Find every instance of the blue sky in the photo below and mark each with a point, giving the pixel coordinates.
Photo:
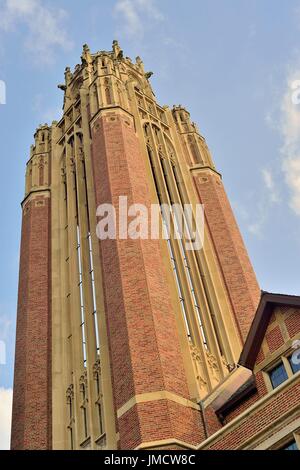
(232, 63)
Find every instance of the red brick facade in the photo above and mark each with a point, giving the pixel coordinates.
(261, 411)
(267, 415)
(31, 422)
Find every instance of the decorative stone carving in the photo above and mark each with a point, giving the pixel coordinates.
(213, 366)
(70, 392)
(97, 369)
(83, 384)
(63, 175)
(72, 165)
(80, 153)
(198, 367)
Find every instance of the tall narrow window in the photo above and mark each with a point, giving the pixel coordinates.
(96, 96)
(82, 310)
(108, 95)
(70, 398)
(91, 260)
(195, 150)
(171, 253)
(92, 277)
(41, 175)
(98, 403)
(278, 375)
(84, 406)
(29, 179)
(183, 253)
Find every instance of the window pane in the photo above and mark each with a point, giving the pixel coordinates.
(278, 375)
(290, 446)
(294, 363)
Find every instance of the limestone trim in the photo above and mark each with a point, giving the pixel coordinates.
(156, 396)
(279, 436)
(165, 443)
(35, 193)
(282, 421)
(227, 388)
(204, 169)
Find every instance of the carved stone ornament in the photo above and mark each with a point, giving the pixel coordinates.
(70, 392)
(96, 369)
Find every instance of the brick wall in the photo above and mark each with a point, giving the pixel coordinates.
(241, 407)
(159, 420)
(279, 403)
(259, 420)
(212, 422)
(31, 420)
(274, 339)
(292, 322)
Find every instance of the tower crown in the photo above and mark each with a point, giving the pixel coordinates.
(106, 69)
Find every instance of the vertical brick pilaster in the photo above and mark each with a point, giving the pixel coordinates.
(239, 277)
(31, 419)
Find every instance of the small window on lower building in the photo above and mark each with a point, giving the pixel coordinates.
(290, 446)
(294, 363)
(278, 375)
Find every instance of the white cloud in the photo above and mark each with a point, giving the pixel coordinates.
(43, 26)
(290, 132)
(5, 327)
(270, 186)
(134, 15)
(261, 215)
(253, 217)
(5, 417)
(256, 216)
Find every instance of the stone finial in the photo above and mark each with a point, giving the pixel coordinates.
(68, 75)
(86, 55)
(118, 53)
(139, 63)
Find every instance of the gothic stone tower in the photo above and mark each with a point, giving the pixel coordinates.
(118, 341)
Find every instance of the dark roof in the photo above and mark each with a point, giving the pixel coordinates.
(247, 389)
(260, 323)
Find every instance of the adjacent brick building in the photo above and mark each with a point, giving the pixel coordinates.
(138, 342)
